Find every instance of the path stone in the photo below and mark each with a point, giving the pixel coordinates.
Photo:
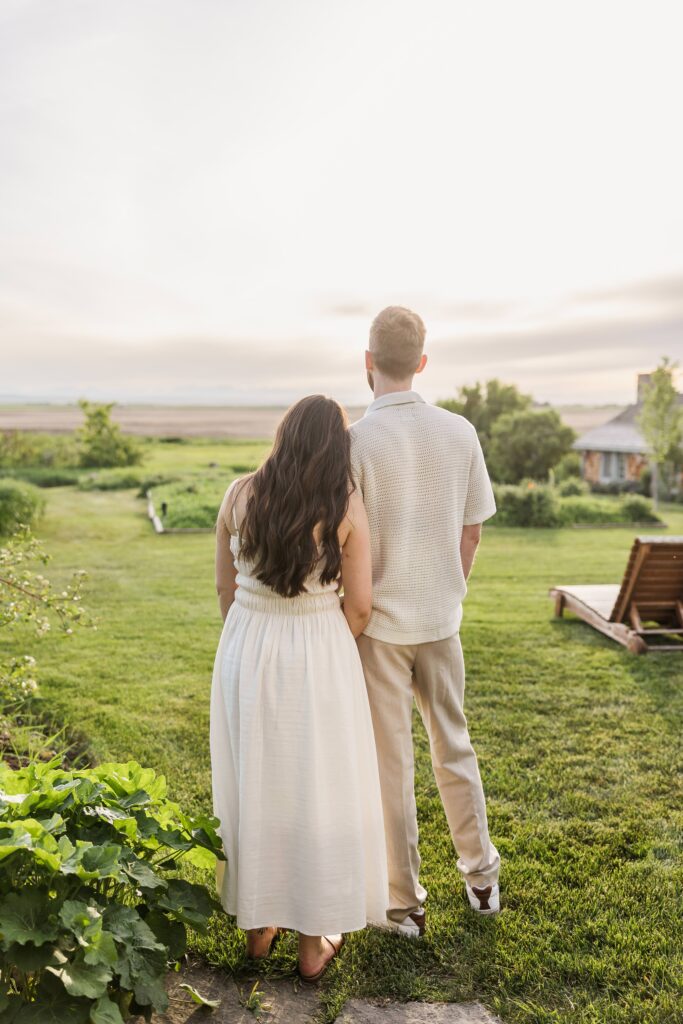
(359, 1011)
(282, 1000)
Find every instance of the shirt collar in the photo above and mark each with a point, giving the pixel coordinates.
(394, 398)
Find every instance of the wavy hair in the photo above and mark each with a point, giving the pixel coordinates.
(304, 482)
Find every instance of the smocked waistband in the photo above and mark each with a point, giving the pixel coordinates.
(274, 604)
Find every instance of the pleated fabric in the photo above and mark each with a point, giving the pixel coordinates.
(294, 765)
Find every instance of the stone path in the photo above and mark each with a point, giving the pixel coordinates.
(360, 1011)
(286, 1001)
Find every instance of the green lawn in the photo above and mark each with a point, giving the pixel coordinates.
(579, 744)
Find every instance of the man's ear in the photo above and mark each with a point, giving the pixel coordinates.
(369, 365)
(421, 365)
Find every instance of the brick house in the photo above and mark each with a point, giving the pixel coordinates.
(616, 452)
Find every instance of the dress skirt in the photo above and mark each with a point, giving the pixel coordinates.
(294, 768)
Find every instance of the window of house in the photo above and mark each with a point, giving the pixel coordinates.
(621, 466)
(607, 466)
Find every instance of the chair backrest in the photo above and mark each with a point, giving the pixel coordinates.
(654, 575)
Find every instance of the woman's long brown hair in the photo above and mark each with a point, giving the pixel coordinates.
(304, 482)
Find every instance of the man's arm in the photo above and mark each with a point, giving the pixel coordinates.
(469, 542)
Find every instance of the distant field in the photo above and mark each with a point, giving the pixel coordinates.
(216, 421)
(156, 420)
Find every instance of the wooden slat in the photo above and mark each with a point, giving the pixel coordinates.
(639, 553)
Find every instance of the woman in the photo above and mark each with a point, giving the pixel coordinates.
(295, 779)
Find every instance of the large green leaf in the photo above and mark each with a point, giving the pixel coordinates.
(29, 957)
(197, 997)
(105, 1012)
(31, 836)
(54, 1008)
(201, 858)
(89, 862)
(140, 798)
(188, 902)
(141, 873)
(78, 915)
(82, 979)
(25, 917)
(127, 927)
(169, 933)
(143, 971)
(86, 923)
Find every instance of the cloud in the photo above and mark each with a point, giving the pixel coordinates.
(571, 353)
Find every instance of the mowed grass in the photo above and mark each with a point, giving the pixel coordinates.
(580, 747)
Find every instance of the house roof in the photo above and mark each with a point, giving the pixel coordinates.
(620, 434)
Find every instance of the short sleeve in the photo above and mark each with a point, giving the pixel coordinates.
(356, 462)
(480, 503)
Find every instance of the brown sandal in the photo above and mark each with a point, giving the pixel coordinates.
(263, 956)
(311, 979)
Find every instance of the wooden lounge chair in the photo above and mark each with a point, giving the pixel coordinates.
(648, 604)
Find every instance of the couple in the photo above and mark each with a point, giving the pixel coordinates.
(311, 705)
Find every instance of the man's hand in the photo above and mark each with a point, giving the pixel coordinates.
(469, 542)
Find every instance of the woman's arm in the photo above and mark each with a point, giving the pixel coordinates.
(357, 567)
(226, 573)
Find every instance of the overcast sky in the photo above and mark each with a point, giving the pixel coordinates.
(208, 200)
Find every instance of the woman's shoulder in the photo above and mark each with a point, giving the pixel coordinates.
(235, 500)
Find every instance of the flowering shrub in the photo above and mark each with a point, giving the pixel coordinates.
(27, 596)
(91, 909)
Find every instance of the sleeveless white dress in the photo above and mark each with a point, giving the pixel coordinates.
(294, 765)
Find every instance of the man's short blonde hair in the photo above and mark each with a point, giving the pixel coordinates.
(397, 337)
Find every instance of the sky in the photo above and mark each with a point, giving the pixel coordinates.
(207, 201)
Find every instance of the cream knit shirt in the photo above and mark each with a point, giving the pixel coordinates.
(422, 475)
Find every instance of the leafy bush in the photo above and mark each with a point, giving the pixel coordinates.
(109, 480)
(484, 404)
(27, 598)
(192, 503)
(588, 510)
(615, 487)
(637, 509)
(19, 450)
(147, 483)
(630, 509)
(101, 442)
(527, 444)
(91, 913)
(533, 504)
(528, 504)
(43, 476)
(571, 487)
(568, 467)
(19, 503)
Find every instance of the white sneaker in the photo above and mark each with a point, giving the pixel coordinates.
(413, 926)
(485, 899)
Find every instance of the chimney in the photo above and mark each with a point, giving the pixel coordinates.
(643, 381)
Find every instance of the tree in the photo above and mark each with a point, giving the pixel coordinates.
(484, 404)
(661, 422)
(526, 443)
(101, 441)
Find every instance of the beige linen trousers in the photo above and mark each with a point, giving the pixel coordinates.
(434, 674)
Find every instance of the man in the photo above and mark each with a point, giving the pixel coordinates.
(424, 482)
